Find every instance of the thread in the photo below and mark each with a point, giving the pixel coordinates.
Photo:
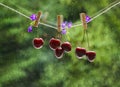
(106, 9)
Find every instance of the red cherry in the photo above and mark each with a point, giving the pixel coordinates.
(59, 52)
(38, 43)
(54, 43)
(66, 46)
(80, 52)
(91, 55)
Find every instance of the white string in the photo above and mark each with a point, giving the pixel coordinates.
(78, 24)
(103, 11)
(106, 7)
(47, 25)
(51, 23)
(25, 15)
(14, 10)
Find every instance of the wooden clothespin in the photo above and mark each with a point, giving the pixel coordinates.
(59, 22)
(37, 19)
(83, 19)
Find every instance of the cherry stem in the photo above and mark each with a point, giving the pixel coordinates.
(87, 39)
(37, 33)
(83, 36)
(65, 38)
(67, 35)
(58, 36)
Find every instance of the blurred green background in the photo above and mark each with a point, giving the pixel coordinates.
(23, 66)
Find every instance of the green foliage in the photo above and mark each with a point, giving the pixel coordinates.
(23, 66)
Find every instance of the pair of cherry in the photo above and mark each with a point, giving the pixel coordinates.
(59, 49)
(80, 52)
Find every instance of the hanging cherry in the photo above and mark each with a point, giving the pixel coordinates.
(59, 52)
(38, 43)
(91, 55)
(66, 46)
(54, 43)
(80, 52)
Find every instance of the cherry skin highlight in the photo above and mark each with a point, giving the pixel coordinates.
(38, 43)
(80, 52)
(54, 43)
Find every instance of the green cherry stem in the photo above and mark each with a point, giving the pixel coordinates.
(87, 39)
(38, 33)
(67, 35)
(83, 36)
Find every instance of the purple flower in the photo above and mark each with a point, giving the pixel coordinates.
(63, 31)
(88, 18)
(33, 17)
(30, 29)
(64, 24)
(69, 24)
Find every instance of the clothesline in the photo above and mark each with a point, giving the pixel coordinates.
(99, 13)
